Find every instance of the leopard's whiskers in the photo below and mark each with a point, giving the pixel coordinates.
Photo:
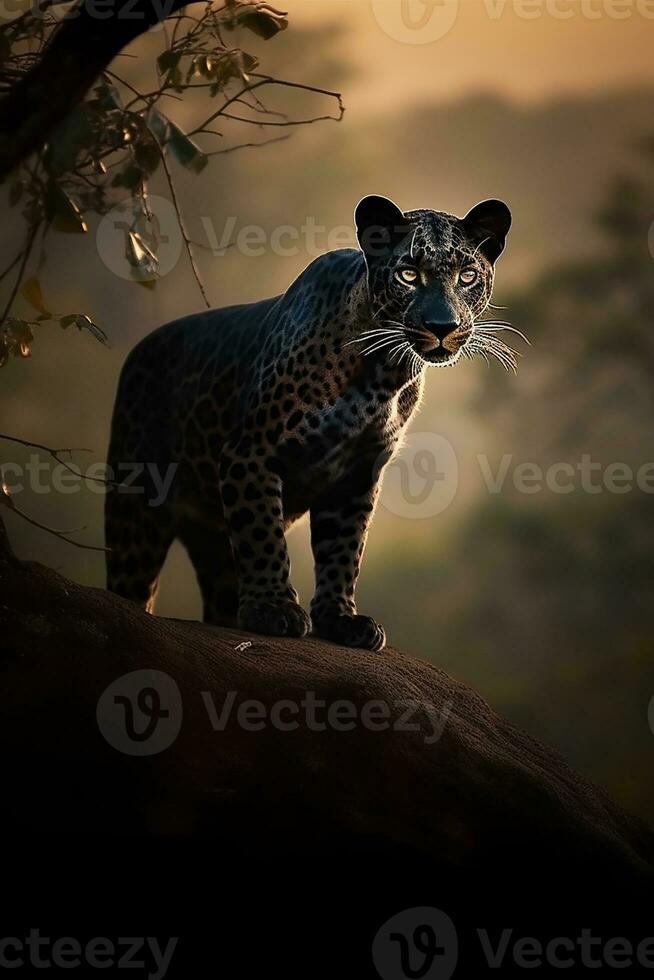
(497, 326)
(485, 342)
(377, 345)
(370, 334)
(396, 351)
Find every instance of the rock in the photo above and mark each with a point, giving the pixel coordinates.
(366, 750)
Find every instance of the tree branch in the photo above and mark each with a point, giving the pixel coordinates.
(81, 47)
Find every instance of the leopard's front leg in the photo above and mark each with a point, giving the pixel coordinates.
(339, 527)
(251, 494)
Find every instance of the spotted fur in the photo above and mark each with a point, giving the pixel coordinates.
(294, 404)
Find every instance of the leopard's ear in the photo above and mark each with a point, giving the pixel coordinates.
(380, 225)
(488, 224)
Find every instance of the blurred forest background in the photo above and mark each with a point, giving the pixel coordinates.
(542, 601)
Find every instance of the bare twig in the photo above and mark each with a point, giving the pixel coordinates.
(188, 244)
(243, 146)
(31, 236)
(269, 80)
(55, 455)
(8, 502)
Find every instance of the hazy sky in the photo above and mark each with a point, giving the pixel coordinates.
(525, 48)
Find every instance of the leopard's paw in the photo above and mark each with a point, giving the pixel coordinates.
(273, 618)
(351, 631)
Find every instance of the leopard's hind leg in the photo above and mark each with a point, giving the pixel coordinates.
(210, 552)
(138, 538)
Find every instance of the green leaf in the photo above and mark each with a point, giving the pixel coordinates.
(168, 60)
(69, 139)
(185, 150)
(64, 212)
(205, 65)
(130, 178)
(263, 22)
(147, 155)
(83, 322)
(17, 339)
(232, 64)
(108, 95)
(5, 496)
(158, 125)
(31, 290)
(141, 258)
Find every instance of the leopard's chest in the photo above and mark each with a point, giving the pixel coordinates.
(360, 433)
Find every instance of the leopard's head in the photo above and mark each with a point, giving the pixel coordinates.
(430, 277)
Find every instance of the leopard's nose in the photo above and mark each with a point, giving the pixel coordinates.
(442, 330)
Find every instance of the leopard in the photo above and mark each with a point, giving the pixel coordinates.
(293, 405)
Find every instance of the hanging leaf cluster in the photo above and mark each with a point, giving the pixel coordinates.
(110, 146)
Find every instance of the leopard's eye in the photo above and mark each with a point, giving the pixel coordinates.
(407, 276)
(468, 276)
